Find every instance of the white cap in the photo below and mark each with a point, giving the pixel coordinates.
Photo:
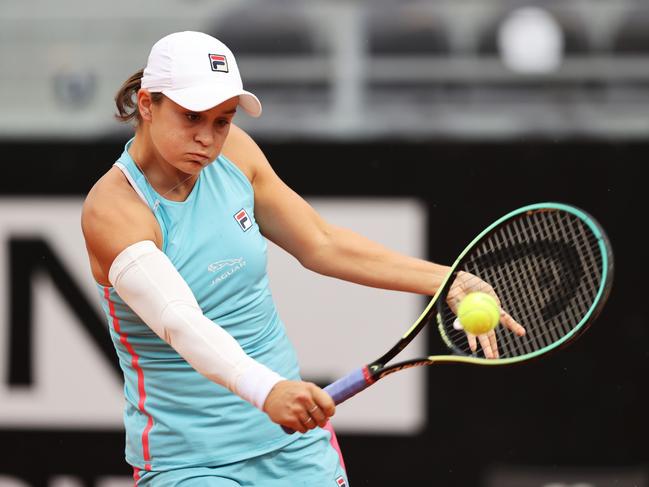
(196, 71)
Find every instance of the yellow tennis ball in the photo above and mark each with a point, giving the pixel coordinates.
(478, 313)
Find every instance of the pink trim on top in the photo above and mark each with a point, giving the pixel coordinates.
(334, 443)
(135, 362)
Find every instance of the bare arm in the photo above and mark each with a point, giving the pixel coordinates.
(113, 217)
(290, 222)
(347, 255)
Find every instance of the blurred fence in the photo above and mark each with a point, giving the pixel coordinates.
(347, 69)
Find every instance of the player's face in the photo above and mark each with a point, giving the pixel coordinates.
(188, 140)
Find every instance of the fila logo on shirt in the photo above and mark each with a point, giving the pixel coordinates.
(218, 63)
(340, 482)
(243, 219)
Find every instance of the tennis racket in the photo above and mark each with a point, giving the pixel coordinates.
(551, 267)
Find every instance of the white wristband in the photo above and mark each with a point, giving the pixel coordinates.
(255, 383)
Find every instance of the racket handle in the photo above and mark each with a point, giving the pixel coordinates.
(349, 385)
(345, 387)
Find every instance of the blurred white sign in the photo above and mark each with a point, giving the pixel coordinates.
(60, 481)
(336, 326)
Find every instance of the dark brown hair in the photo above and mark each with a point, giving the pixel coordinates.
(126, 99)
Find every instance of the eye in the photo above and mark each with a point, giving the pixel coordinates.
(193, 117)
(223, 122)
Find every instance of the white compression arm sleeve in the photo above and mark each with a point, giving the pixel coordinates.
(147, 281)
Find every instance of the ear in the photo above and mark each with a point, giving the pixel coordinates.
(144, 104)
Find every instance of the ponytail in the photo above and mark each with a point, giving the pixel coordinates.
(126, 98)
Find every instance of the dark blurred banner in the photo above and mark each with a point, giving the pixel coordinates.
(576, 418)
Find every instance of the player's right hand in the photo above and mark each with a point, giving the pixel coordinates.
(299, 405)
(466, 283)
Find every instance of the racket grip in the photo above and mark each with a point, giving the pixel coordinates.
(345, 387)
(349, 385)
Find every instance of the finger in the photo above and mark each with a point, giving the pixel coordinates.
(455, 294)
(303, 400)
(494, 343)
(453, 299)
(511, 324)
(486, 346)
(318, 415)
(309, 423)
(296, 425)
(473, 344)
(297, 422)
(323, 401)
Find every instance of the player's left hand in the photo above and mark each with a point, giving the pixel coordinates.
(299, 405)
(466, 283)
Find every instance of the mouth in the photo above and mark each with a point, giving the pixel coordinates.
(200, 158)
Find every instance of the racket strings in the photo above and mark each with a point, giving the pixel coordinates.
(571, 265)
(553, 332)
(525, 316)
(545, 268)
(547, 334)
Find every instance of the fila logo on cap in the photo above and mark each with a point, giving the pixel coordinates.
(243, 219)
(219, 63)
(340, 482)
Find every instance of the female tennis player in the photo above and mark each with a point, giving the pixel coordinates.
(176, 235)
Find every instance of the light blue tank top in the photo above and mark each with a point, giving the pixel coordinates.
(175, 417)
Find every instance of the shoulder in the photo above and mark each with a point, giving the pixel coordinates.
(112, 211)
(110, 195)
(242, 150)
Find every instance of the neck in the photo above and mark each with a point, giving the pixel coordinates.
(167, 180)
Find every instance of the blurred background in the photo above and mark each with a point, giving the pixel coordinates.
(415, 123)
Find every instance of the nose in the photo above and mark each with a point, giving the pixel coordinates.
(204, 136)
